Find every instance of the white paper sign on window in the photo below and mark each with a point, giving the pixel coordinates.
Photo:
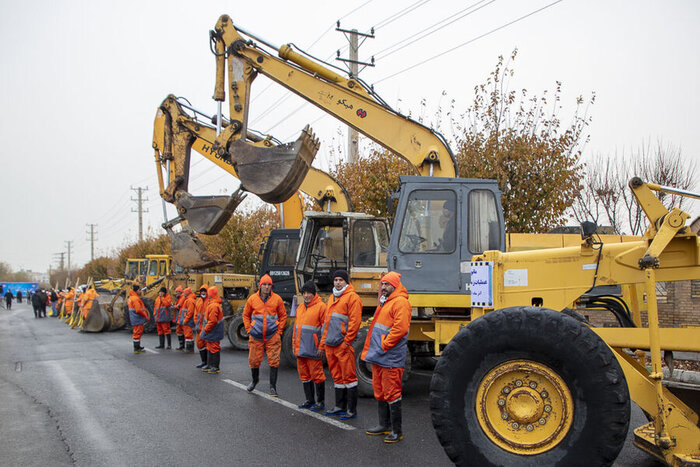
(481, 283)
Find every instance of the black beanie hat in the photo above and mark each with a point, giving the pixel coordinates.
(163, 289)
(309, 286)
(135, 287)
(343, 274)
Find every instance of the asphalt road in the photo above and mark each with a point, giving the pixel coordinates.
(70, 398)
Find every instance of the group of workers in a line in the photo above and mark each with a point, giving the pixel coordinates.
(319, 328)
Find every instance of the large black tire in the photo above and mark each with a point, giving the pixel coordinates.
(364, 370)
(577, 358)
(237, 334)
(226, 308)
(150, 326)
(287, 356)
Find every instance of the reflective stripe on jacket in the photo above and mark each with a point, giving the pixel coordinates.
(199, 309)
(161, 309)
(387, 339)
(186, 313)
(213, 329)
(343, 318)
(308, 328)
(137, 310)
(263, 319)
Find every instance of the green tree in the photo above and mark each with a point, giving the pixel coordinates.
(519, 140)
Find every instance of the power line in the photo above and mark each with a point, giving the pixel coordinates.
(400, 14)
(413, 38)
(467, 42)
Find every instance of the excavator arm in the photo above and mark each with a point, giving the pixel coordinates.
(347, 99)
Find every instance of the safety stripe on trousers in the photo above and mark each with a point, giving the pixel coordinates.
(289, 405)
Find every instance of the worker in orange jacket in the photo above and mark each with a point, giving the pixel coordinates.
(199, 309)
(342, 323)
(308, 326)
(213, 330)
(179, 300)
(88, 299)
(161, 313)
(68, 301)
(138, 316)
(264, 318)
(184, 318)
(385, 348)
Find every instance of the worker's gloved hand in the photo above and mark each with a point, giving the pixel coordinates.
(319, 353)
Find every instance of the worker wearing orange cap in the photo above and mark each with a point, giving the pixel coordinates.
(68, 301)
(199, 308)
(161, 313)
(184, 318)
(213, 330)
(264, 317)
(138, 316)
(385, 348)
(179, 331)
(339, 332)
(307, 335)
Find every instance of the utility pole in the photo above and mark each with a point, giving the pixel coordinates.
(60, 261)
(139, 203)
(68, 246)
(353, 69)
(92, 240)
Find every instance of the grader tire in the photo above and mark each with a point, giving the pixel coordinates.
(529, 386)
(237, 334)
(287, 356)
(150, 326)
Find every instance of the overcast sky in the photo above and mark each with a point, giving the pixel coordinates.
(81, 81)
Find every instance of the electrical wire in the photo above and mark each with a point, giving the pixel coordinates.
(413, 38)
(468, 42)
(400, 14)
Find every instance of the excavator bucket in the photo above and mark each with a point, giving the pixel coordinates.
(208, 214)
(188, 251)
(275, 173)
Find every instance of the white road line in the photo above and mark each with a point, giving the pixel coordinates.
(152, 351)
(292, 406)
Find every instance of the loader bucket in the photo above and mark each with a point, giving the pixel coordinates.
(188, 251)
(97, 319)
(275, 173)
(208, 214)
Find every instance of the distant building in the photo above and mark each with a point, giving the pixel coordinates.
(37, 276)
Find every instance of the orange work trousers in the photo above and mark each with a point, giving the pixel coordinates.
(201, 343)
(341, 363)
(163, 328)
(257, 349)
(386, 383)
(187, 331)
(137, 332)
(178, 330)
(213, 347)
(310, 369)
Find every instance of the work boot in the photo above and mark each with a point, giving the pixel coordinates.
(396, 435)
(189, 347)
(161, 342)
(273, 381)
(215, 358)
(203, 355)
(181, 340)
(309, 393)
(255, 372)
(384, 427)
(137, 347)
(206, 367)
(320, 404)
(170, 346)
(352, 404)
(340, 402)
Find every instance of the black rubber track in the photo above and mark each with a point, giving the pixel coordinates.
(575, 352)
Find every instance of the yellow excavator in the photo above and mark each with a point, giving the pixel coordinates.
(554, 389)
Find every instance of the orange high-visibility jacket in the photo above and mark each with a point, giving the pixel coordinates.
(307, 328)
(387, 339)
(200, 307)
(138, 314)
(161, 308)
(263, 319)
(70, 295)
(343, 318)
(90, 296)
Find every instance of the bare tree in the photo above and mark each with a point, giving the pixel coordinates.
(606, 197)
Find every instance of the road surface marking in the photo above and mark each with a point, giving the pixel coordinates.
(152, 351)
(318, 416)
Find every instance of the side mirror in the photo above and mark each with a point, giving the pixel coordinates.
(588, 229)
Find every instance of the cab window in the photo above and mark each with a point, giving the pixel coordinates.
(484, 225)
(153, 268)
(370, 243)
(284, 252)
(429, 225)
